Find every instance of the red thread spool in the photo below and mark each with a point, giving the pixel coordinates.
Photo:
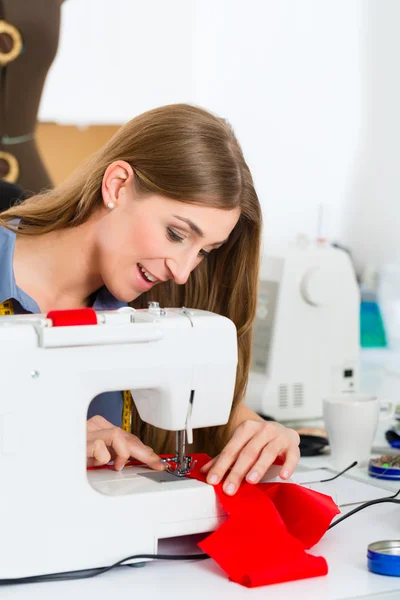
(76, 316)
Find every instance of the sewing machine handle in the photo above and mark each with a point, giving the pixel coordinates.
(89, 335)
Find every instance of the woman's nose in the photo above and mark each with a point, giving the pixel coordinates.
(181, 268)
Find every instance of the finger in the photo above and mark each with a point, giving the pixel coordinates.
(141, 452)
(230, 453)
(250, 454)
(264, 462)
(255, 470)
(116, 444)
(205, 468)
(248, 457)
(114, 439)
(292, 458)
(125, 445)
(98, 422)
(97, 453)
(147, 456)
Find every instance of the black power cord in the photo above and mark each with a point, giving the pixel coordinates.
(86, 574)
(353, 464)
(391, 499)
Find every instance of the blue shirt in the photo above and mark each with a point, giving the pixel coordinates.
(108, 405)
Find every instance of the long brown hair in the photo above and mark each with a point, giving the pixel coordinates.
(187, 154)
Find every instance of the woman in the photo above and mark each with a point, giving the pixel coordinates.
(165, 211)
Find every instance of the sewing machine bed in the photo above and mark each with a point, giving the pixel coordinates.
(143, 479)
(138, 479)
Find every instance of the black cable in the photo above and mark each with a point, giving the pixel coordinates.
(339, 474)
(366, 505)
(85, 574)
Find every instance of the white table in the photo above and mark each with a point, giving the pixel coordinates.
(344, 548)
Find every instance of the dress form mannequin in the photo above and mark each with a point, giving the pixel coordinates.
(37, 24)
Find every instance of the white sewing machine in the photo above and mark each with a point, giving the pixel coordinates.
(57, 517)
(306, 333)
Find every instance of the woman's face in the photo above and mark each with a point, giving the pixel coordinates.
(142, 242)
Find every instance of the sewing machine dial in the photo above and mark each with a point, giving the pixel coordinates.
(315, 286)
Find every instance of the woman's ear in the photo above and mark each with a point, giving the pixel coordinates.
(118, 176)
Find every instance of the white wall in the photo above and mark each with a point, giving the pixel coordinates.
(372, 226)
(118, 58)
(310, 86)
(287, 75)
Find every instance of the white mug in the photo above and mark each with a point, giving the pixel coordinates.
(350, 422)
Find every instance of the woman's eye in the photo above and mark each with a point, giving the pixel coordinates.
(174, 236)
(204, 253)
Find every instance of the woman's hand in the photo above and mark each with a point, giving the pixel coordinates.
(252, 449)
(105, 442)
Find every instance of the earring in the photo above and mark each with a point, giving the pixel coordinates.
(111, 205)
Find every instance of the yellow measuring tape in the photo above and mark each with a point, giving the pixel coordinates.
(7, 309)
(127, 411)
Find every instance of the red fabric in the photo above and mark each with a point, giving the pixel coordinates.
(76, 316)
(270, 525)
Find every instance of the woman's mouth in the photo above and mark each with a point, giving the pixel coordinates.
(148, 277)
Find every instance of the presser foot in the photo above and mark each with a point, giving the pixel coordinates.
(180, 469)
